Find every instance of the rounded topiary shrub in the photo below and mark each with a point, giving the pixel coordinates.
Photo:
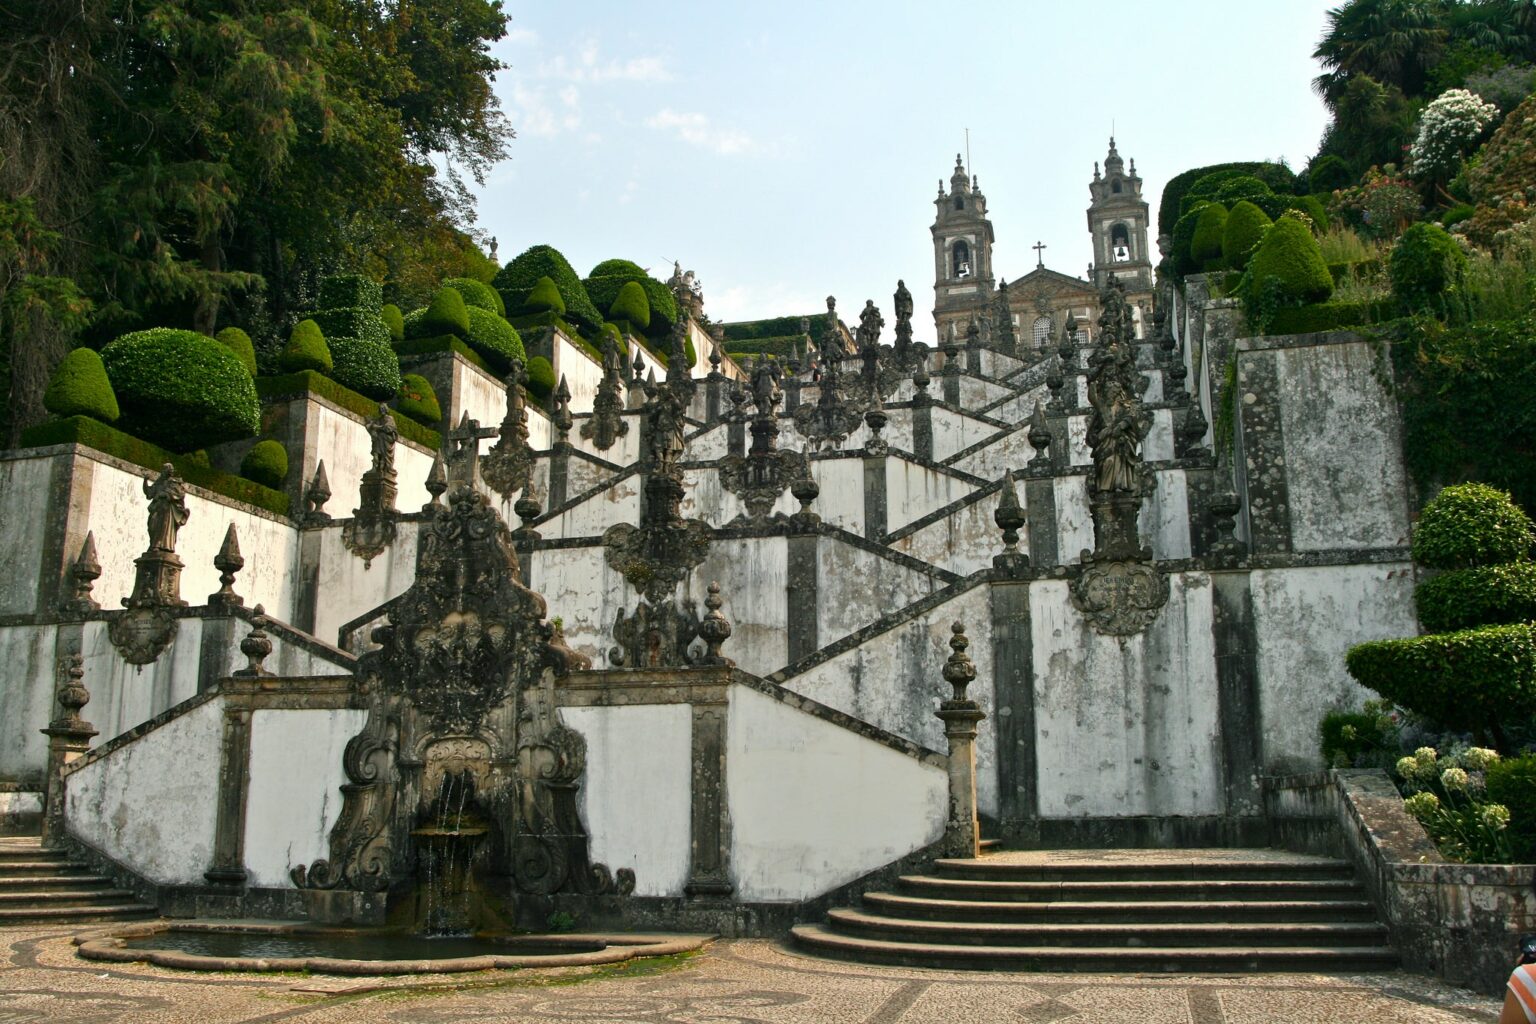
(517, 279)
(365, 366)
(1481, 595)
(1469, 525)
(417, 400)
(180, 389)
(80, 388)
(631, 305)
(1244, 230)
(1205, 244)
(1426, 267)
(541, 378)
(266, 463)
(477, 293)
(1241, 189)
(1291, 255)
(306, 349)
(494, 339)
(238, 342)
(544, 297)
(393, 319)
(446, 314)
(1184, 237)
(1329, 173)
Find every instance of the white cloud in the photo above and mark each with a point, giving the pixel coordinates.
(589, 66)
(751, 302)
(534, 112)
(695, 129)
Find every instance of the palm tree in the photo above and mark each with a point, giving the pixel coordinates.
(1395, 42)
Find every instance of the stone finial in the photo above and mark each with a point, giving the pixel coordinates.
(256, 645)
(1226, 549)
(72, 696)
(973, 333)
(959, 671)
(1067, 348)
(528, 508)
(875, 418)
(638, 366)
(83, 573)
(921, 380)
(316, 495)
(1040, 437)
(228, 562)
(806, 490)
(562, 419)
(1192, 433)
(437, 482)
(715, 629)
(69, 736)
(1009, 517)
(1054, 381)
(1007, 341)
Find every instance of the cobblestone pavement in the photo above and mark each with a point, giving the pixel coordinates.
(731, 982)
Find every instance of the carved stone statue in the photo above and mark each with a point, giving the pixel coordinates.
(167, 509)
(382, 435)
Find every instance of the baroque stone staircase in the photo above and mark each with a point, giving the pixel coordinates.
(40, 886)
(1116, 910)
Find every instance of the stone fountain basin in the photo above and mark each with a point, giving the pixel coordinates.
(135, 944)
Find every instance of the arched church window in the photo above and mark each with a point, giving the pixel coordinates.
(1120, 243)
(961, 259)
(1041, 331)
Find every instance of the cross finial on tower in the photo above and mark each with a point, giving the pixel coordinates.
(1039, 248)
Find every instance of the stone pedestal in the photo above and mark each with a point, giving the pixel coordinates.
(962, 832)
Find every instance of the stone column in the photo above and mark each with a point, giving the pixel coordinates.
(962, 833)
(228, 867)
(801, 593)
(69, 736)
(709, 871)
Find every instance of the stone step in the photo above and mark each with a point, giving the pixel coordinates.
(44, 883)
(42, 868)
(1005, 868)
(1221, 934)
(63, 897)
(10, 917)
(1183, 960)
(1117, 911)
(11, 853)
(1175, 890)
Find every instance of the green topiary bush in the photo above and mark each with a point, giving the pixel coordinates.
(1482, 595)
(365, 366)
(1512, 782)
(1473, 679)
(238, 342)
(1205, 243)
(631, 306)
(340, 291)
(447, 314)
(517, 278)
(181, 389)
(1242, 189)
(544, 297)
(627, 270)
(1427, 267)
(1329, 173)
(266, 463)
(1469, 525)
(353, 322)
(80, 388)
(541, 378)
(476, 293)
(1172, 205)
(1290, 254)
(496, 340)
(394, 321)
(615, 274)
(418, 401)
(1245, 228)
(306, 349)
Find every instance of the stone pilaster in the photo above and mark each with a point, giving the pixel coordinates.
(875, 498)
(307, 601)
(922, 429)
(736, 437)
(228, 866)
(559, 474)
(1262, 438)
(69, 736)
(1237, 690)
(951, 385)
(1040, 504)
(1013, 668)
(801, 596)
(709, 872)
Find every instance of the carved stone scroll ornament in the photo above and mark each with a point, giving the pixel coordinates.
(1120, 598)
(506, 466)
(463, 683)
(655, 636)
(371, 530)
(759, 480)
(655, 557)
(146, 628)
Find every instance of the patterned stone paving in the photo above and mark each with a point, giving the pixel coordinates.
(736, 982)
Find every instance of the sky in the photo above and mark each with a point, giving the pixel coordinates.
(788, 151)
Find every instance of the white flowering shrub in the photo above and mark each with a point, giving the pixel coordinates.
(1448, 129)
(1446, 792)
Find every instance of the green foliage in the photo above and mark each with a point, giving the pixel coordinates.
(1183, 240)
(1313, 207)
(181, 389)
(306, 349)
(631, 306)
(1172, 205)
(306, 383)
(1427, 266)
(628, 270)
(604, 289)
(1381, 206)
(544, 297)
(80, 388)
(1243, 231)
(238, 342)
(777, 348)
(518, 278)
(1324, 316)
(439, 344)
(496, 340)
(394, 321)
(1512, 783)
(1446, 796)
(541, 378)
(1473, 679)
(1358, 739)
(1502, 178)
(446, 315)
(365, 366)
(1243, 188)
(1329, 172)
(1290, 254)
(1372, 124)
(1456, 215)
(1205, 243)
(339, 291)
(477, 293)
(1483, 595)
(266, 463)
(108, 440)
(777, 327)
(353, 322)
(417, 400)
(1471, 525)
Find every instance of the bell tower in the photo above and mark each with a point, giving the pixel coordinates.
(962, 251)
(1117, 219)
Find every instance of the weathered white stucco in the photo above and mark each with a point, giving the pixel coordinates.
(25, 497)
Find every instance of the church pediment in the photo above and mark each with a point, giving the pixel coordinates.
(1043, 280)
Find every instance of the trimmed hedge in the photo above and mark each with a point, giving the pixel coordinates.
(1244, 230)
(441, 343)
(80, 388)
(306, 383)
(446, 314)
(628, 270)
(1471, 525)
(417, 400)
(779, 348)
(477, 293)
(1426, 266)
(238, 342)
(1325, 316)
(366, 367)
(777, 327)
(1205, 243)
(495, 339)
(544, 297)
(306, 349)
(266, 463)
(1291, 254)
(604, 290)
(111, 441)
(631, 305)
(517, 278)
(353, 322)
(348, 290)
(1170, 208)
(1512, 782)
(1481, 596)
(1329, 173)
(181, 389)
(1183, 240)
(1473, 679)
(541, 378)
(395, 321)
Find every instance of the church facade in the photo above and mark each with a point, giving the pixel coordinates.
(1039, 303)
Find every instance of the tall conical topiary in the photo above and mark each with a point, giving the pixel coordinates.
(1291, 255)
(80, 388)
(631, 306)
(1205, 246)
(395, 321)
(446, 314)
(306, 349)
(1245, 229)
(544, 297)
(238, 342)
